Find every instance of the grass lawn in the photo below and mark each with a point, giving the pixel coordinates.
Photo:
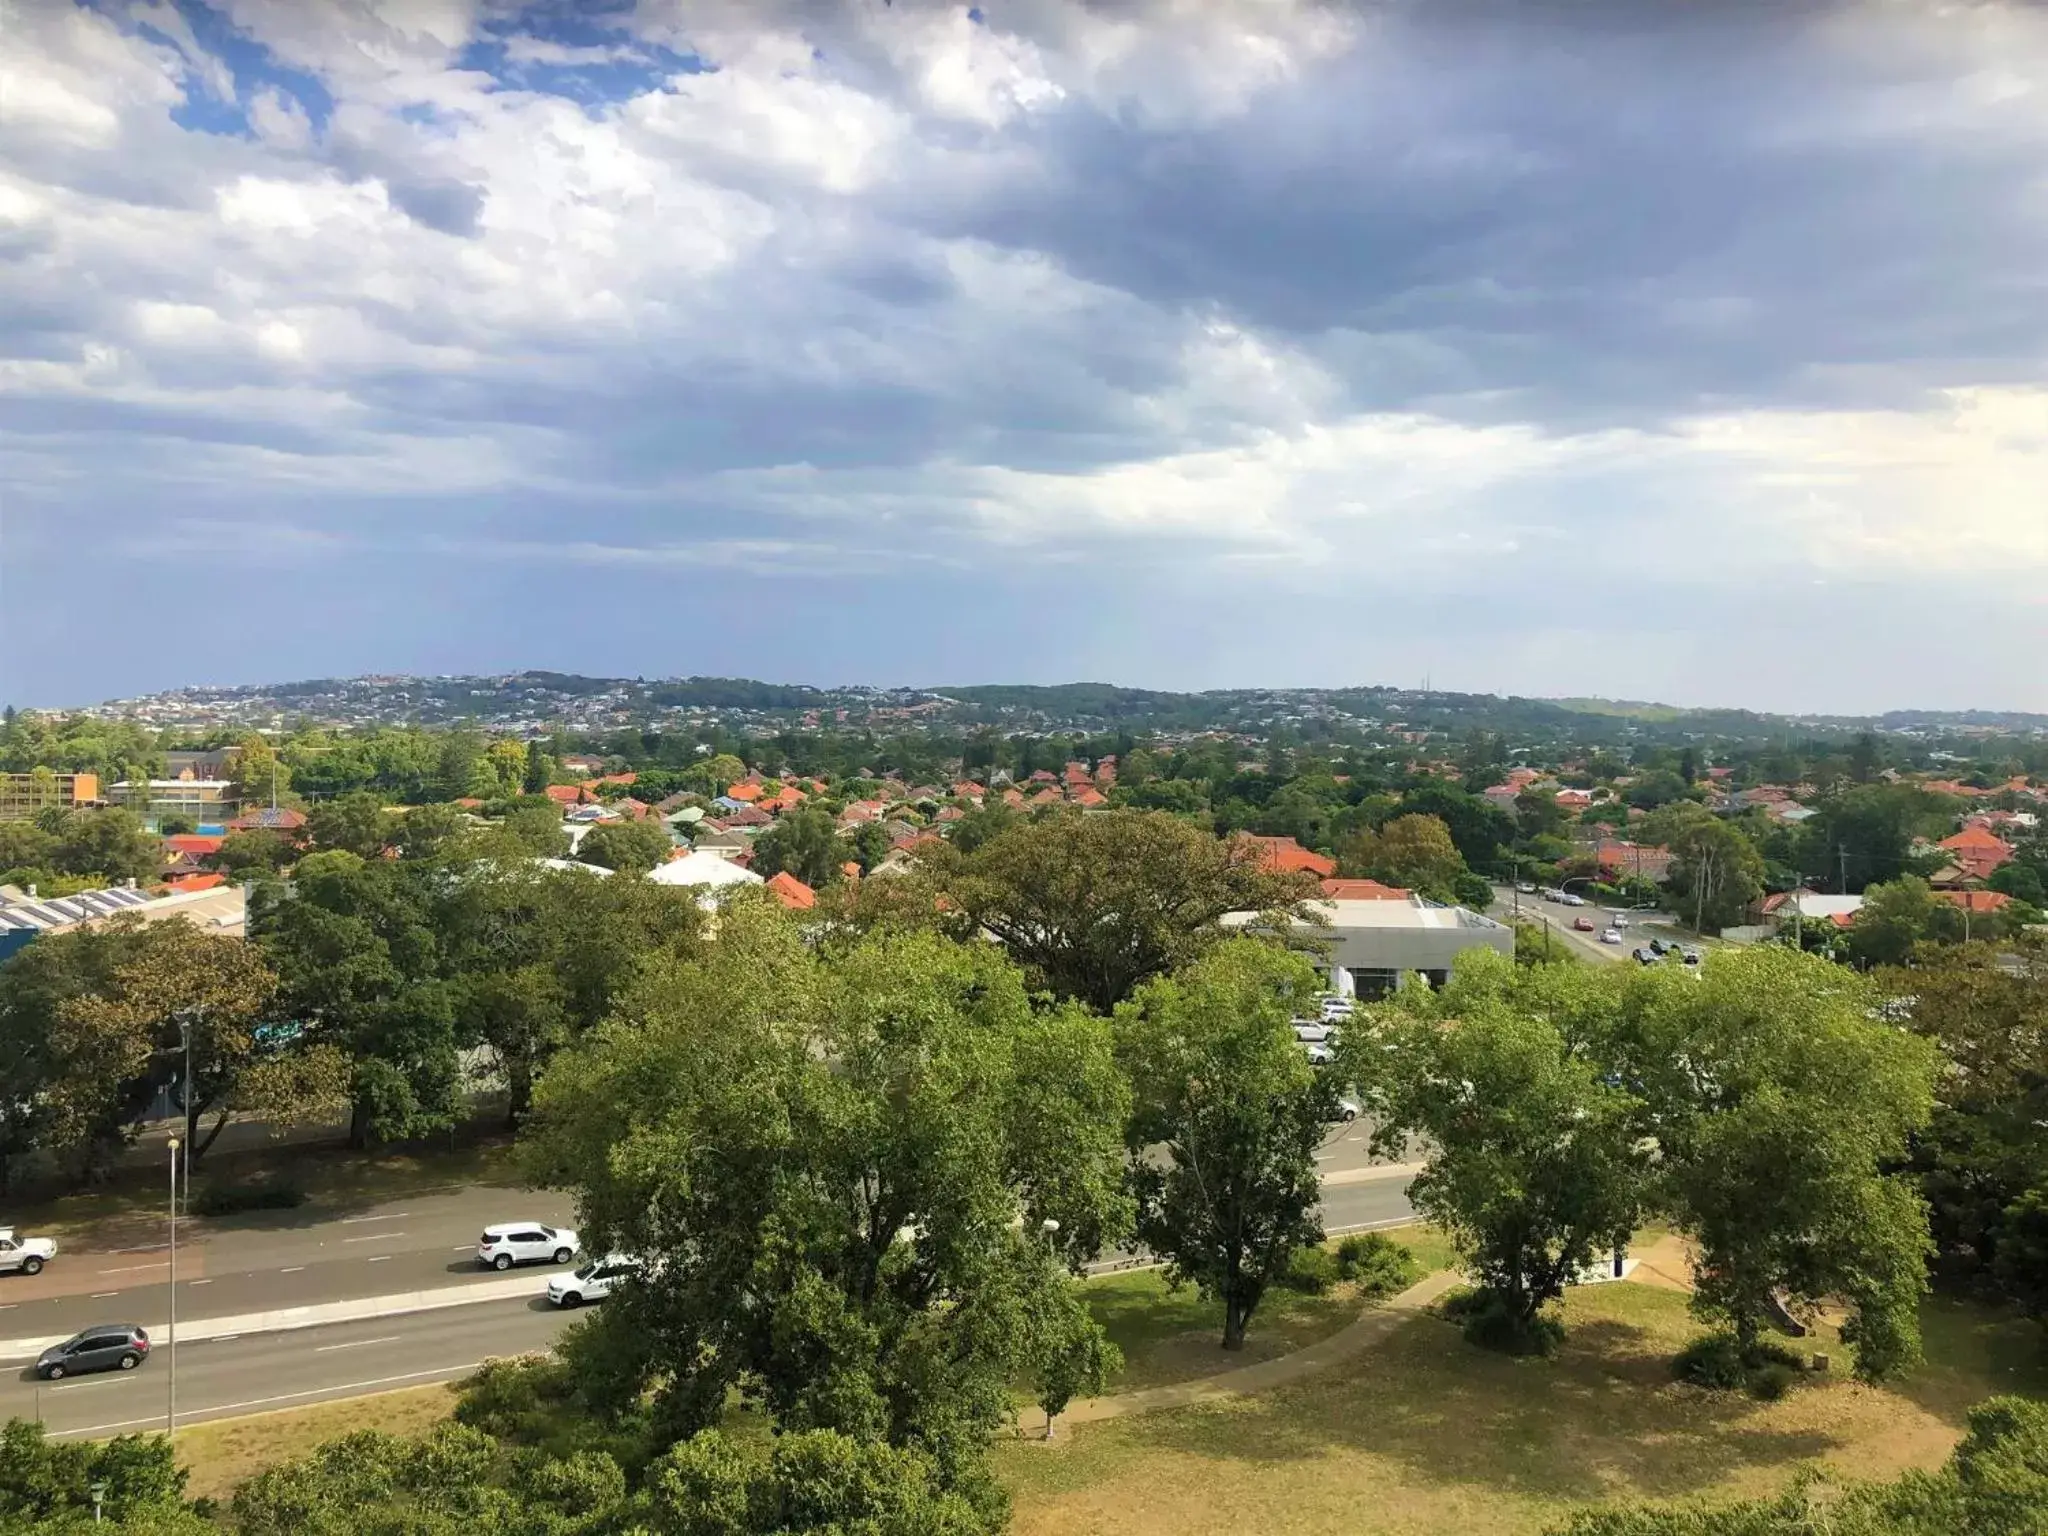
(223, 1454)
(1426, 1434)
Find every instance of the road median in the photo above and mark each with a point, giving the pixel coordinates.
(314, 1315)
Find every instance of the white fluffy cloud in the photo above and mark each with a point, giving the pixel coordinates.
(1251, 291)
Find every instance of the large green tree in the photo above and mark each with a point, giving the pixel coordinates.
(803, 843)
(845, 1171)
(1092, 906)
(1226, 1115)
(630, 847)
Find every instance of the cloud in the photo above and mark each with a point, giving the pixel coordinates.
(1474, 308)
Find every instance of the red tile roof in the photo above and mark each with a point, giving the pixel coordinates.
(1089, 796)
(792, 892)
(1976, 901)
(198, 844)
(185, 884)
(1282, 855)
(1364, 890)
(566, 794)
(743, 791)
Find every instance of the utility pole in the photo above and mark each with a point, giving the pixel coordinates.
(171, 1341)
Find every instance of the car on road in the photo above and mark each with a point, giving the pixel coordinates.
(1572, 899)
(1691, 954)
(1620, 920)
(1611, 936)
(524, 1242)
(107, 1347)
(1526, 887)
(1659, 948)
(26, 1254)
(1318, 1055)
(1348, 1110)
(1644, 957)
(1582, 924)
(593, 1282)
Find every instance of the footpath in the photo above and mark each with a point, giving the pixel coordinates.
(284, 1319)
(1368, 1328)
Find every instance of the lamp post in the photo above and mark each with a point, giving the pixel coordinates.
(171, 1340)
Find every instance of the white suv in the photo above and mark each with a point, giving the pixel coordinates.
(524, 1242)
(593, 1282)
(27, 1254)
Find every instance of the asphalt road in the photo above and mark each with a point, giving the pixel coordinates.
(1560, 919)
(231, 1267)
(254, 1373)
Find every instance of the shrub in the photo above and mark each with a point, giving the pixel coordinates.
(1312, 1271)
(222, 1199)
(1491, 1324)
(1771, 1382)
(1713, 1361)
(1379, 1265)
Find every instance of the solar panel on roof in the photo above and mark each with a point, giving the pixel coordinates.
(41, 915)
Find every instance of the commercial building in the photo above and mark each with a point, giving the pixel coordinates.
(203, 802)
(22, 795)
(1370, 946)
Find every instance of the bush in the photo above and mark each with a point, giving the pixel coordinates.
(1773, 1381)
(219, 1199)
(1713, 1361)
(1312, 1271)
(1379, 1265)
(1718, 1362)
(1491, 1324)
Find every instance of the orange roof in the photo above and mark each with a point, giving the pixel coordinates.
(1363, 890)
(1977, 838)
(1047, 796)
(197, 843)
(565, 794)
(1282, 855)
(967, 789)
(1090, 797)
(792, 892)
(850, 869)
(185, 884)
(469, 802)
(1976, 901)
(743, 791)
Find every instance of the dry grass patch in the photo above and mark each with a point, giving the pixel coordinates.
(1424, 1433)
(222, 1454)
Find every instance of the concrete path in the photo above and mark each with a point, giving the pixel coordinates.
(1368, 1328)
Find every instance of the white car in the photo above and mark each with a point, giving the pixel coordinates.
(1611, 936)
(524, 1242)
(1312, 1034)
(1347, 1110)
(593, 1282)
(1318, 1055)
(1620, 920)
(1572, 899)
(1526, 887)
(27, 1254)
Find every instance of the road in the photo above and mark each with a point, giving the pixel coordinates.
(1560, 919)
(254, 1373)
(234, 1266)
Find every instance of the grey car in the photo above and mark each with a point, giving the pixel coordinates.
(108, 1347)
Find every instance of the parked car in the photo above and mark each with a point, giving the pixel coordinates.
(1659, 948)
(1610, 936)
(1643, 956)
(27, 1254)
(1318, 1055)
(593, 1282)
(1348, 1110)
(1335, 1008)
(1582, 924)
(1691, 954)
(107, 1347)
(1312, 1034)
(524, 1242)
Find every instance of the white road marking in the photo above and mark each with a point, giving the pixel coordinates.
(373, 1237)
(288, 1397)
(349, 1221)
(96, 1295)
(9, 1306)
(382, 1258)
(225, 1338)
(129, 1269)
(358, 1343)
(295, 1269)
(73, 1386)
(199, 1282)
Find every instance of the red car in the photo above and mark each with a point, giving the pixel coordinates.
(1583, 924)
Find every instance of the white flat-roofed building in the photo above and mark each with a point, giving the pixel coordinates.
(1369, 946)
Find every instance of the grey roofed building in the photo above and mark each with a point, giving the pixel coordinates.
(1370, 947)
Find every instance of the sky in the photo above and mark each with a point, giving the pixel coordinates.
(1695, 353)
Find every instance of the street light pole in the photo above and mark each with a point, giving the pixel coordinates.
(171, 1342)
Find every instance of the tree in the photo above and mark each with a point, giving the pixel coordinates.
(630, 847)
(1413, 852)
(1538, 814)
(252, 852)
(111, 844)
(24, 845)
(427, 830)
(711, 776)
(1093, 906)
(1896, 918)
(1220, 1084)
(1781, 1098)
(540, 770)
(839, 1166)
(1716, 873)
(261, 778)
(356, 824)
(810, 1481)
(536, 828)
(1536, 1165)
(803, 843)
(57, 1485)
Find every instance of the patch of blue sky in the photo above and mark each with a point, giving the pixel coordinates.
(582, 50)
(250, 66)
